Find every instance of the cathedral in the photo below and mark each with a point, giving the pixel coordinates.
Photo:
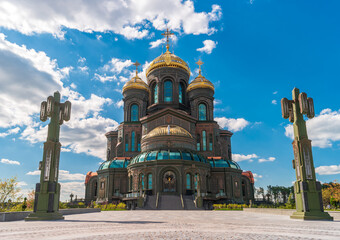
(169, 153)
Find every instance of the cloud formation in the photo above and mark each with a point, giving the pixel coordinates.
(208, 46)
(130, 18)
(232, 124)
(239, 157)
(328, 170)
(11, 162)
(323, 130)
(270, 159)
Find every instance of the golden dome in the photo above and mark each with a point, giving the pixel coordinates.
(171, 130)
(200, 81)
(136, 82)
(168, 59)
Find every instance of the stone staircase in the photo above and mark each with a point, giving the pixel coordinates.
(189, 203)
(150, 203)
(169, 202)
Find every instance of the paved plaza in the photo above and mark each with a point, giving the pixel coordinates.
(172, 225)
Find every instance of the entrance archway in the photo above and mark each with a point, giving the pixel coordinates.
(169, 181)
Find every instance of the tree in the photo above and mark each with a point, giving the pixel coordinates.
(9, 191)
(30, 200)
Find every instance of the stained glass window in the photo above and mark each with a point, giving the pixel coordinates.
(155, 93)
(180, 92)
(167, 91)
(204, 140)
(210, 142)
(188, 181)
(150, 181)
(133, 141)
(198, 142)
(126, 143)
(141, 179)
(134, 113)
(202, 112)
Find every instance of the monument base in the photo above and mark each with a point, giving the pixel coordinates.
(39, 216)
(316, 215)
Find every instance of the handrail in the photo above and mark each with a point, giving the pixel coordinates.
(157, 200)
(182, 201)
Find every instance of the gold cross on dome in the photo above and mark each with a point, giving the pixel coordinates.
(199, 63)
(167, 34)
(136, 64)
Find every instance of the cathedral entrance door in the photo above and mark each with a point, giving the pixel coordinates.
(169, 182)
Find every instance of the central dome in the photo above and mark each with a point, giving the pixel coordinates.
(172, 130)
(168, 59)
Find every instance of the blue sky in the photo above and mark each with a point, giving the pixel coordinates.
(255, 53)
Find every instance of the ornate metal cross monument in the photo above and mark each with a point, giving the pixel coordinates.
(47, 192)
(308, 195)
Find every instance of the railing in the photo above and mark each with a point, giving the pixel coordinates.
(221, 194)
(116, 194)
(133, 195)
(182, 201)
(157, 200)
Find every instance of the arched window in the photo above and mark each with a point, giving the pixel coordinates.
(138, 142)
(204, 140)
(141, 181)
(202, 112)
(188, 182)
(198, 142)
(155, 93)
(134, 113)
(181, 93)
(130, 183)
(168, 91)
(95, 189)
(150, 181)
(210, 142)
(126, 143)
(133, 141)
(197, 176)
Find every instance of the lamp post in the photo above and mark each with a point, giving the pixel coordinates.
(47, 193)
(308, 194)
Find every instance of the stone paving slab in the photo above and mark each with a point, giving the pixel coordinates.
(172, 225)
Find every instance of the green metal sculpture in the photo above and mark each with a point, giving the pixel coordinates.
(308, 195)
(47, 193)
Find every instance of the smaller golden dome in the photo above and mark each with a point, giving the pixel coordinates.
(200, 81)
(171, 130)
(136, 82)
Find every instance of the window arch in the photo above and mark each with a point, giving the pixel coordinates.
(150, 181)
(188, 181)
(155, 93)
(202, 112)
(204, 140)
(133, 139)
(134, 113)
(181, 93)
(126, 143)
(168, 91)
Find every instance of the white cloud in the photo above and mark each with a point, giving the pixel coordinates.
(82, 60)
(117, 65)
(129, 18)
(73, 86)
(104, 78)
(274, 102)
(34, 173)
(66, 175)
(323, 129)
(10, 131)
(99, 37)
(217, 102)
(232, 124)
(156, 43)
(328, 170)
(83, 69)
(256, 176)
(270, 159)
(239, 157)
(21, 184)
(119, 104)
(76, 188)
(209, 45)
(11, 162)
(275, 92)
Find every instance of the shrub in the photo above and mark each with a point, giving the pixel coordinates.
(231, 206)
(81, 205)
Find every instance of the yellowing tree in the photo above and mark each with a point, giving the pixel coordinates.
(9, 190)
(331, 193)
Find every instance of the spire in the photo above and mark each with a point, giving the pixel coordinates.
(167, 34)
(136, 64)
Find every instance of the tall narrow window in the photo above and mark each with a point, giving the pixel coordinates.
(130, 183)
(126, 143)
(133, 141)
(155, 93)
(202, 112)
(150, 181)
(198, 142)
(167, 91)
(138, 142)
(141, 181)
(181, 92)
(210, 142)
(188, 182)
(134, 113)
(204, 140)
(196, 180)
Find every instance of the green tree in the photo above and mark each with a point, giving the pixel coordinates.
(9, 191)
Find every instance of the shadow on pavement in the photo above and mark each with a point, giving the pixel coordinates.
(123, 222)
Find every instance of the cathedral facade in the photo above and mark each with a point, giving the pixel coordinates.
(169, 153)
